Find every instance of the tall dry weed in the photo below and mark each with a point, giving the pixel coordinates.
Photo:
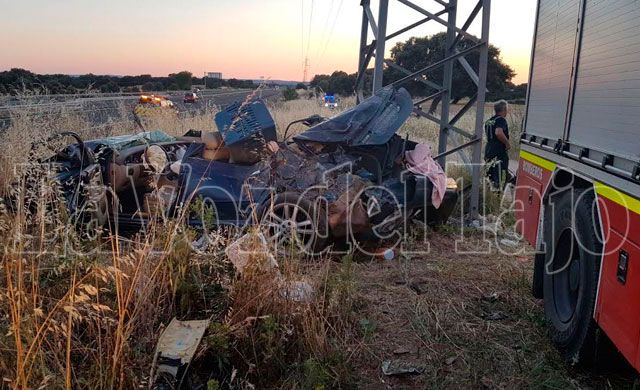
(86, 312)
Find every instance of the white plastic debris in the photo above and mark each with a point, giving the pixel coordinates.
(252, 247)
(393, 368)
(508, 243)
(297, 291)
(175, 167)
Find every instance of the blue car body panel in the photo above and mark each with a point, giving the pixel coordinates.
(221, 183)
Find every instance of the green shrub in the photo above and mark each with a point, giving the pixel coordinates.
(289, 94)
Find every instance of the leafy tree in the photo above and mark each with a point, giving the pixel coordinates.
(20, 80)
(338, 82)
(56, 87)
(110, 87)
(152, 86)
(417, 53)
(289, 94)
(234, 83)
(301, 86)
(320, 81)
(183, 80)
(17, 75)
(515, 92)
(213, 83)
(134, 81)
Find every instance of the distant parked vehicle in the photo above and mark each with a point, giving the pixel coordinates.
(330, 100)
(191, 97)
(145, 99)
(160, 101)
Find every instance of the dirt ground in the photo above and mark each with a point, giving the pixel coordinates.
(463, 321)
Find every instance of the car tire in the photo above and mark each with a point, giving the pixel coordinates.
(571, 272)
(290, 218)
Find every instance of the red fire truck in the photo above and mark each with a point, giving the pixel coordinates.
(578, 188)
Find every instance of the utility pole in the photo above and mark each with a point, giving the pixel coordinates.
(306, 70)
(445, 14)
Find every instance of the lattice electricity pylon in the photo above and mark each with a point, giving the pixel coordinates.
(369, 50)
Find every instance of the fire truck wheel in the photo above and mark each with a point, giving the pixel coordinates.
(571, 271)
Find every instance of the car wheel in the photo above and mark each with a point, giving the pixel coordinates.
(571, 271)
(290, 220)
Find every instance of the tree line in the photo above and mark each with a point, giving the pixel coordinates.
(18, 81)
(417, 53)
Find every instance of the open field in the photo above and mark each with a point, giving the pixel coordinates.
(100, 109)
(87, 313)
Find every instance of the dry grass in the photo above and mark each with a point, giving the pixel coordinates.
(469, 320)
(39, 122)
(86, 313)
(287, 112)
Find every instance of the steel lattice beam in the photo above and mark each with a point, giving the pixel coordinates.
(443, 90)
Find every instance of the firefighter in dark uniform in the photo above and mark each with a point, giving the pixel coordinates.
(495, 152)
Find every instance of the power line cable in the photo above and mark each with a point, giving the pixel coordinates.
(325, 25)
(333, 25)
(310, 28)
(302, 34)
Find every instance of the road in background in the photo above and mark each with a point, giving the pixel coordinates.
(99, 109)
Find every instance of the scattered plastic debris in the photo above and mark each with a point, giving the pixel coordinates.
(251, 246)
(419, 287)
(390, 368)
(175, 349)
(493, 297)
(509, 243)
(385, 253)
(297, 291)
(450, 360)
(512, 235)
(494, 316)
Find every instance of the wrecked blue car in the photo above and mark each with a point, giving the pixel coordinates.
(346, 177)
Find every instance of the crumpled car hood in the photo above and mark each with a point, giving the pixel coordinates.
(372, 122)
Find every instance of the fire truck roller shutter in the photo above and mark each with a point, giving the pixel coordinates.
(551, 68)
(606, 107)
(572, 265)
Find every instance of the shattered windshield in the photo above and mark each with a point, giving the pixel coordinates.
(127, 141)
